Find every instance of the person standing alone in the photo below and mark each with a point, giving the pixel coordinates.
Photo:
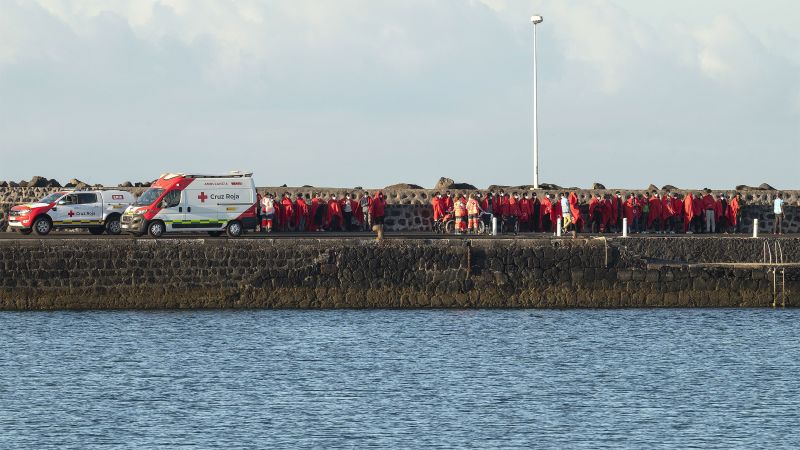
(778, 210)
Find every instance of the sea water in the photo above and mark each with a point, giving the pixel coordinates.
(401, 379)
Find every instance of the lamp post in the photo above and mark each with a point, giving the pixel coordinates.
(535, 20)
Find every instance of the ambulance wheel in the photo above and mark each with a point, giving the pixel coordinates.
(235, 228)
(113, 225)
(215, 233)
(96, 230)
(26, 232)
(156, 229)
(42, 226)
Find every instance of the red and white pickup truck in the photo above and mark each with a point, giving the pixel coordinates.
(98, 211)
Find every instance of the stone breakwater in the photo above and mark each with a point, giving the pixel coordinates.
(351, 273)
(410, 210)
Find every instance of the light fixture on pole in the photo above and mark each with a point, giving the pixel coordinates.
(535, 20)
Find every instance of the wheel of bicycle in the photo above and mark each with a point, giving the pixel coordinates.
(450, 227)
(481, 227)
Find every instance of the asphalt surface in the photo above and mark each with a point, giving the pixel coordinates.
(354, 235)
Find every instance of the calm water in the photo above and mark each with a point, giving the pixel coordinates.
(637, 379)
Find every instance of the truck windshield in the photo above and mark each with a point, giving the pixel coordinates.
(52, 198)
(149, 196)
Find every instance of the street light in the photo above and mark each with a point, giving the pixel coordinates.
(535, 20)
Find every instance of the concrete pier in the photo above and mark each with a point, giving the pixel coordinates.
(100, 273)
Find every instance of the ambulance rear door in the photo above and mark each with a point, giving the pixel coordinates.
(201, 209)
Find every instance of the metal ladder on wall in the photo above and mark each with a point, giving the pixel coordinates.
(773, 259)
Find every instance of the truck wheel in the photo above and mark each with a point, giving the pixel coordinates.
(113, 226)
(156, 229)
(96, 230)
(215, 233)
(234, 228)
(42, 226)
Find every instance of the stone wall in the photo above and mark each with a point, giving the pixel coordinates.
(409, 209)
(351, 273)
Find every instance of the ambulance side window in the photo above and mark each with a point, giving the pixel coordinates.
(68, 200)
(172, 199)
(87, 198)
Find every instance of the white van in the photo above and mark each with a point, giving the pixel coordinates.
(96, 210)
(180, 202)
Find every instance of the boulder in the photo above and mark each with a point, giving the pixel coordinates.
(652, 188)
(37, 181)
(74, 183)
(401, 186)
(598, 186)
(126, 184)
(53, 183)
(548, 186)
(669, 187)
(765, 187)
(497, 187)
(23, 183)
(444, 184)
(463, 186)
(3, 184)
(13, 184)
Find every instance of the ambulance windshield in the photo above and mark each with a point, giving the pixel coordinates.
(52, 198)
(149, 196)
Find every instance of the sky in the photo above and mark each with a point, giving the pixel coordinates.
(376, 92)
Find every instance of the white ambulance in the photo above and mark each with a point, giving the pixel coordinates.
(179, 202)
(96, 210)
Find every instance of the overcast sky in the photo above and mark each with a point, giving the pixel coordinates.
(374, 92)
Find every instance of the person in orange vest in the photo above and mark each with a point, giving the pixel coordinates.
(300, 213)
(473, 213)
(734, 212)
(691, 207)
(460, 210)
(267, 212)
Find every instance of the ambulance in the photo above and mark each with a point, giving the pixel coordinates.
(181, 203)
(97, 210)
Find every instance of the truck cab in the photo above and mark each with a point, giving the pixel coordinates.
(192, 203)
(99, 211)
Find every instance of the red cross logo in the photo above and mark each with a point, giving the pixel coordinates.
(202, 197)
(70, 213)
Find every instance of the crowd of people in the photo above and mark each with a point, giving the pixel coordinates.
(315, 213)
(654, 212)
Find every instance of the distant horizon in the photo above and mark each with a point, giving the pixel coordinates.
(477, 187)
